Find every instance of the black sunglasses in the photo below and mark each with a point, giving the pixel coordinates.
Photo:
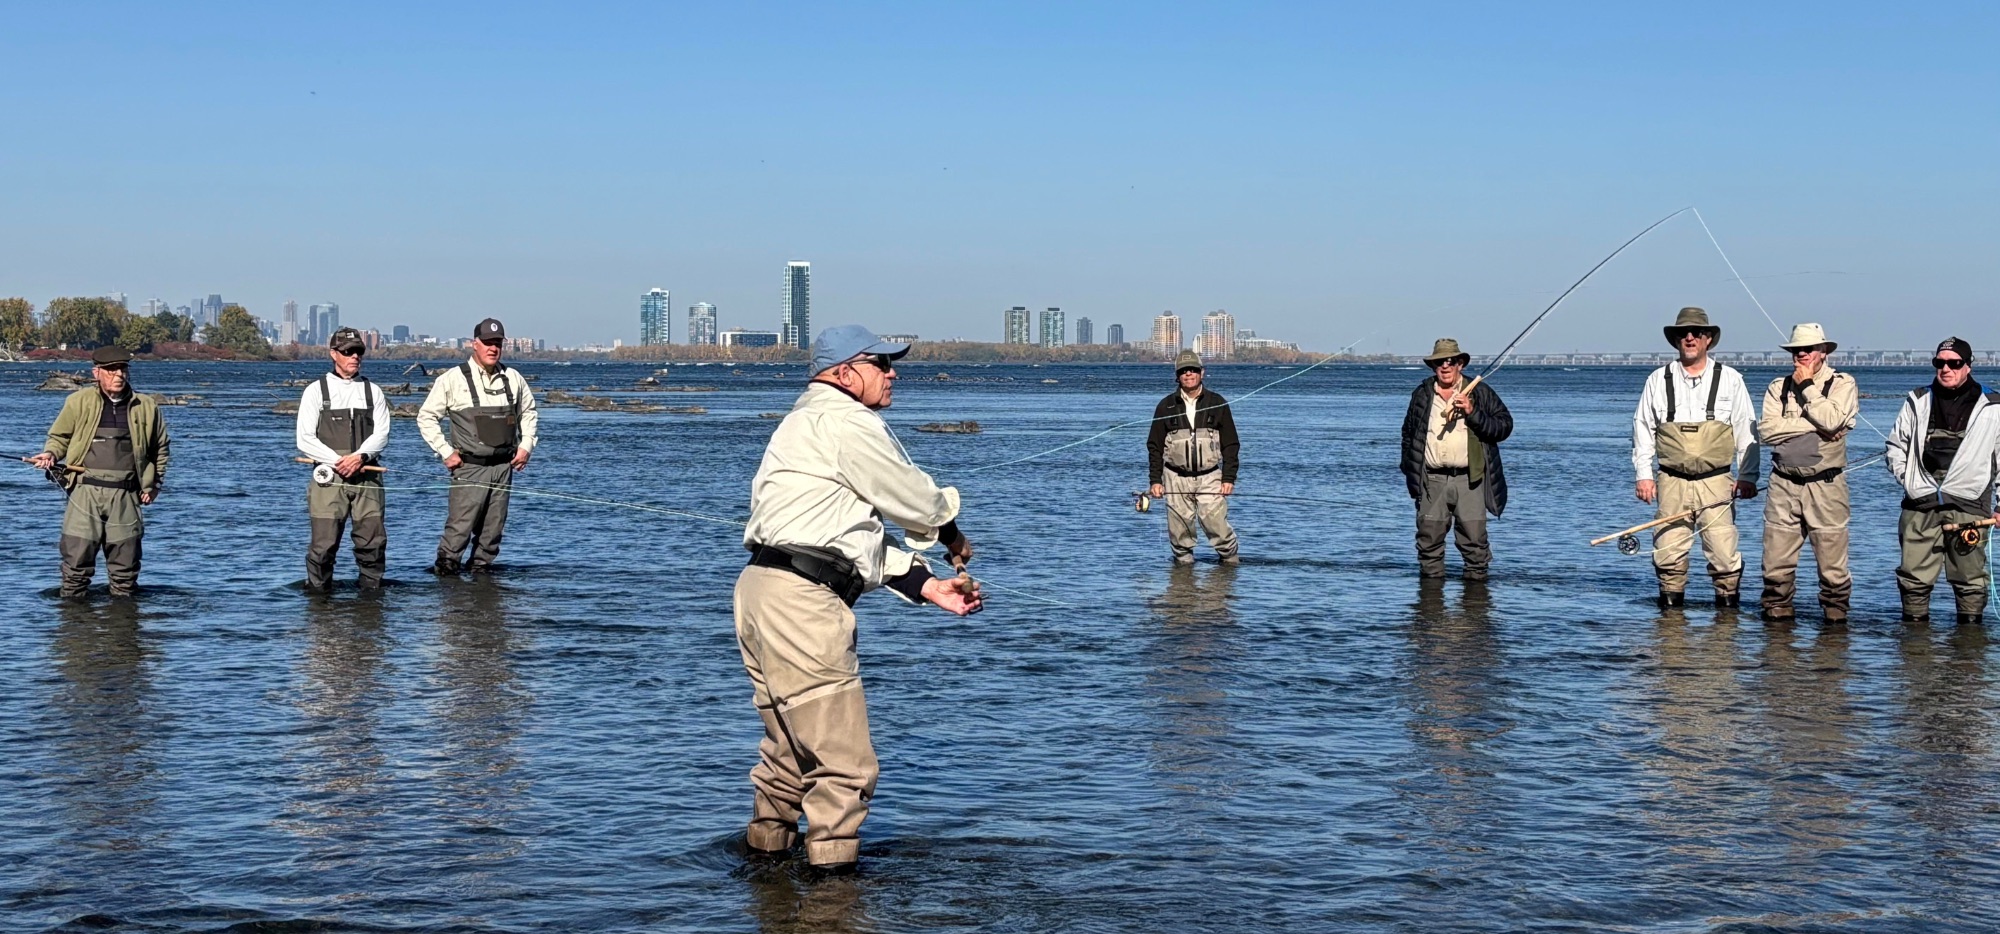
(880, 361)
(1805, 350)
(1459, 362)
(1940, 363)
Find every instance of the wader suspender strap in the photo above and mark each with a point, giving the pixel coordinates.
(1714, 389)
(513, 407)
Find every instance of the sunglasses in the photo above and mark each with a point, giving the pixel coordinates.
(879, 361)
(1453, 361)
(1940, 363)
(1682, 333)
(1801, 351)
(358, 351)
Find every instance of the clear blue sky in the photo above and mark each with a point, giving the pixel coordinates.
(1322, 171)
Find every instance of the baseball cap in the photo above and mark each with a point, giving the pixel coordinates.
(837, 345)
(489, 328)
(348, 340)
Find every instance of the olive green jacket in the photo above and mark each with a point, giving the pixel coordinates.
(76, 425)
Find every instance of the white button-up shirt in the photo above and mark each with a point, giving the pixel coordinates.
(830, 476)
(345, 394)
(1732, 404)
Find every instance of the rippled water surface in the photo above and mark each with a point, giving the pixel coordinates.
(1310, 741)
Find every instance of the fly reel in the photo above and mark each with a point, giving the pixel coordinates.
(323, 474)
(1144, 503)
(1628, 544)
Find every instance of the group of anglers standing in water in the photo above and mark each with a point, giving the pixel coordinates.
(833, 477)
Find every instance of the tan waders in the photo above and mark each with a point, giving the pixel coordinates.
(1450, 503)
(816, 761)
(1794, 511)
(1197, 499)
(358, 500)
(1716, 525)
(486, 437)
(101, 518)
(1928, 548)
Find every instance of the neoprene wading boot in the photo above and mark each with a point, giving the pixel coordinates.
(1971, 619)
(1777, 614)
(1669, 598)
(445, 567)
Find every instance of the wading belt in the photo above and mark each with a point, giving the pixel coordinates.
(1448, 471)
(129, 486)
(836, 575)
(502, 456)
(1803, 479)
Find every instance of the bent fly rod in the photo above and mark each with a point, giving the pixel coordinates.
(1501, 359)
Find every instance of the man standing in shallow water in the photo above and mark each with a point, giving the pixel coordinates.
(1945, 451)
(1451, 461)
(113, 444)
(344, 423)
(493, 432)
(830, 476)
(1191, 461)
(1698, 419)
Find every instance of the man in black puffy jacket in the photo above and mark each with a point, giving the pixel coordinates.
(1451, 460)
(1191, 461)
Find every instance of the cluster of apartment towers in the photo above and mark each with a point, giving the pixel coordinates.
(1218, 340)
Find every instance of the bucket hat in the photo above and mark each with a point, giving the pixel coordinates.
(1808, 335)
(1444, 349)
(1693, 319)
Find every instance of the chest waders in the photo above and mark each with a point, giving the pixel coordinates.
(358, 498)
(103, 509)
(486, 437)
(1695, 450)
(482, 434)
(1193, 451)
(1807, 458)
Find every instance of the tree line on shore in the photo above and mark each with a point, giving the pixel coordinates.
(87, 323)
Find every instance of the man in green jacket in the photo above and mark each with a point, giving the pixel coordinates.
(112, 444)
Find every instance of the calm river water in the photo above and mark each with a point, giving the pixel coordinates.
(1310, 741)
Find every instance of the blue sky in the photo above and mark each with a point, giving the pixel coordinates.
(1325, 172)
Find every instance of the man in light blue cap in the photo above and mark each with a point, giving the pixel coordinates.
(831, 475)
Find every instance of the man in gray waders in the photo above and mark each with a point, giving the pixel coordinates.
(1697, 418)
(1943, 451)
(119, 440)
(344, 424)
(831, 475)
(1191, 461)
(1451, 461)
(1807, 416)
(493, 421)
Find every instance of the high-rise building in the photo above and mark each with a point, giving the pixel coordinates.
(1052, 327)
(1015, 325)
(738, 337)
(1167, 333)
(701, 324)
(322, 321)
(795, 324)
(288, 330)
(1218, 335)
(1083, 331)
(400, 334)
(1115, 335)
(211, 310)
(656, 318)
(154, 306)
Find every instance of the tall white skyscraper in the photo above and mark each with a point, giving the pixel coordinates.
(701, 324)
(1167, 333)
(656, 318)
(1218, 335)
(1052, 327)
(1014, 325)
(795, 324)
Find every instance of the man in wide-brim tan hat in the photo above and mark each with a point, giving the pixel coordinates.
(1807, 416)
(1451, 461)
(1697, 419)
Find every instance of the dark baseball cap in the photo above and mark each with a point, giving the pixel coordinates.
(489, 329)
(348, 340)
(110, 355)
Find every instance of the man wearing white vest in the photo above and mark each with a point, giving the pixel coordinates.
(1697, 419)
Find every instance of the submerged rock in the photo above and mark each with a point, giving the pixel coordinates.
(59, 381)
(951, 428)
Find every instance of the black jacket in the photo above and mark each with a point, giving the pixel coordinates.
(1490, 422)
(1210, 411)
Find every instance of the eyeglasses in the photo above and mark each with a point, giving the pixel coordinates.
(1682, 334)
(1942, 363)
(882, 362)
(1440, 364)
(1801, 351)
(356, 352)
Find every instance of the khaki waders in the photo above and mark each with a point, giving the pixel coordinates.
(1928, 548)
(816, 761)
(1450, 503)
(1796, 511)
(1192, 500)
(1694, 472)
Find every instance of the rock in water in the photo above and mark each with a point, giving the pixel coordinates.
(950, 428)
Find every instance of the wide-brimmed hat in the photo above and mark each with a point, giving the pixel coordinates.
(1186, 360)
(1444, 349)
(1808, 335)
(1693, 319)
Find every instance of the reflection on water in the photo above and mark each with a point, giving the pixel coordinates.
(1190, 658)
(788, 898)
(105, 727)
(1946, 717)
(1457, 702)
(1699, 715)
(1808, 724)
(340, 760)
(479, 711)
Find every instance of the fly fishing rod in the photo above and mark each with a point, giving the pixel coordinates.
(325, 475)
(30, 461)
(1628, 539)
(1501, 359)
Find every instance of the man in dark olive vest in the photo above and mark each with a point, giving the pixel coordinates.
(112, 444)
(343, 427)
(492, 415)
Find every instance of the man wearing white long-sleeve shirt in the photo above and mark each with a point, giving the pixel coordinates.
(831, 475)
(1697, 419)
(492, 433)
(344, 424)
